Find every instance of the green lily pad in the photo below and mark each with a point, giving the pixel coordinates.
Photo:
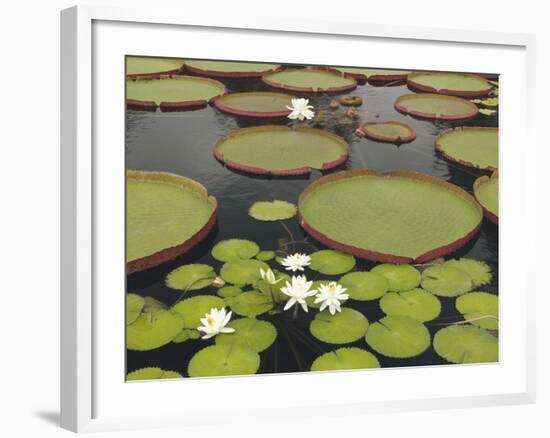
(191, 277)
(309, 80)
(343, 327)
(480, 309)
(265, 256)
(398, 336)
(252, 333)
(400, 277)
(152, 304)
(272, 210)
(250, 303)
(486, 193)
(364, 286)
(242, 271)
(416, 303)
(137, 66)
(235, 249)
(228, 69)
(255, 104)
(455, 84)
(374, 75)
(193, 309)
(229, 291)
(466, 344)
(152, 373)
(446, 281)
(470, 146)
(275, 289)
(436, 106)
(224, 360)
(185, 335)
(479, 271)
(345, 359)
(153, 330)
(134, 305)
(330, 262)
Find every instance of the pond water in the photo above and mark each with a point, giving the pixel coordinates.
(181, 142)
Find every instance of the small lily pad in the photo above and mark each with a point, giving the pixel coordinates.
(242, 271)
(134, 305)
(235, 249)
(364, 286)
(224, 360)
(250, 303)
(252, 333)
(479, 271)
(229, 291)
(193, 309)
(416, 303)
(265, 256)
(400, 277)
(343, 327)
(345, 359)
(466, 344)
(331, 262)
(185, 335)
(480, 309)
(153, 330)
(191, 277)
(398, 336)
(272, 210)
(446, 281)
(152, 373)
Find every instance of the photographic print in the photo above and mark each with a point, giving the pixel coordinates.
(301, 218)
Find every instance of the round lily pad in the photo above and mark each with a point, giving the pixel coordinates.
(224, 360)
(480, 309)
(152, 373)
(345, 359)
(479, 271)
(400, 277)
(252, 333)
(454, 84)
(134, 305)
(374, 75)
(486, 193)
(242, 271)
(152, 67)
(265, 256)
(153, 330)
(364, 286)
(309, 80)
(191, 310)
(466, 344)
(255, 104)
(281, 150)
(176, 92)
(389, 132)
(470, 146)
(416, 303)
(229, 291)
(228, 69)
(396, 216)
(166, 215)
(235, 249)
(250, 303)
(436, 107)
(272, 210)
(191, 277)
(446, 281)
(330, 262)
(398, 336)
(343, 327)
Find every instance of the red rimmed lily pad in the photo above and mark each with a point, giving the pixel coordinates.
(152, 68)
(262, 104)
(453, 84)
(280, 150)
(389, 132)
(486, 193)
(310, 80)
(166, 215)
(229, 69)
(436, 107)
(471, 146)
(394, 217)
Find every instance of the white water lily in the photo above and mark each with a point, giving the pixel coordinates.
(330, 295)
(269, 276)
(214, 323)
(218, 282)
(300, 109)
(298, 289)
(296, 262)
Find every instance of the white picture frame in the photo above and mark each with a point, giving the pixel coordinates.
(94, 395)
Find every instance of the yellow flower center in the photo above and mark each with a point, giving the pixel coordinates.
(211, 321)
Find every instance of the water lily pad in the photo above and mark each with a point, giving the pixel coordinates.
(479, 271)
(166, 215)
(153, 330)
(364, 286)
(152, 67)
(398, 336)
(446, 281)
(454, 84)
(345, 359)
(436, 107)
(134, 305)
(470, 146)
(272, 210)
(229, 291)
(193, 309)
(466, 344)
(374, 75)
(480, 309)
(343, 327)
(151, 304)
(397, 216)
(400, 277)
(281, 150)
(389, 132)
(330, 262)
(265, 256)
(255, 104)
(252, 333)
(486, 193)
(191, 277)
(242, 272)
(224, 360)
(309, 80)
(235, 249)
(152, 373)
(274, 290)
(228, 69)
(250, 303)
(416, 303)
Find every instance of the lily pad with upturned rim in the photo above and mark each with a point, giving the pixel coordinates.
(400, 277)
(191, 310)
(235, 249)
(479, 308)
(152, 373)
(134, 305)
(191, 277)
(416, 303)
(152, 67)
(330, 262)
(228, 69)
(223, 360)
(343, 327)
(478, 271)
(486, 193)
(250, 303)
(436, 107)
(346, 358)
(466, 344)
(252, 333)
(262, 104)
(309, 80)
(470, 146)
(364, 286)
(446, 281)
(272, 210)
(389, 132)
(240, 272)
(454, 84)
(374, 75)
(152, 330)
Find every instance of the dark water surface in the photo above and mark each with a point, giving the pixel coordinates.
(181, 142)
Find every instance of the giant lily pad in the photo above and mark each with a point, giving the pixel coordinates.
(193, 309)
(250, 303)
(223, 360)
(272, 210)
(436, 107)
(166, 215)
(478, 271)
(330, 262)
(309, 80)
(235, 249)
(341, 328)
(374, 75)
(191, 277)
(398, 336)
(397, 216)
(152, 373)
(455, 84)
(486, 193)
(446, 281)
(364, 286)
(480, 309)
(470, 146)
(345, 359)
(134, 305)
(466, 344)
(280, 150)
(389, 132)
(228, 69)
(151, 67)
(153, 330)
(242, 271)
(252, 333)
(416, 303)
(400, 277)
(255, 104)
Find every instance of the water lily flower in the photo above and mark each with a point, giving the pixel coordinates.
(214, 323)
(300, 109)
(298, 289)
(330, 296)
(269, 276)
(296, 262)
(218, 282)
